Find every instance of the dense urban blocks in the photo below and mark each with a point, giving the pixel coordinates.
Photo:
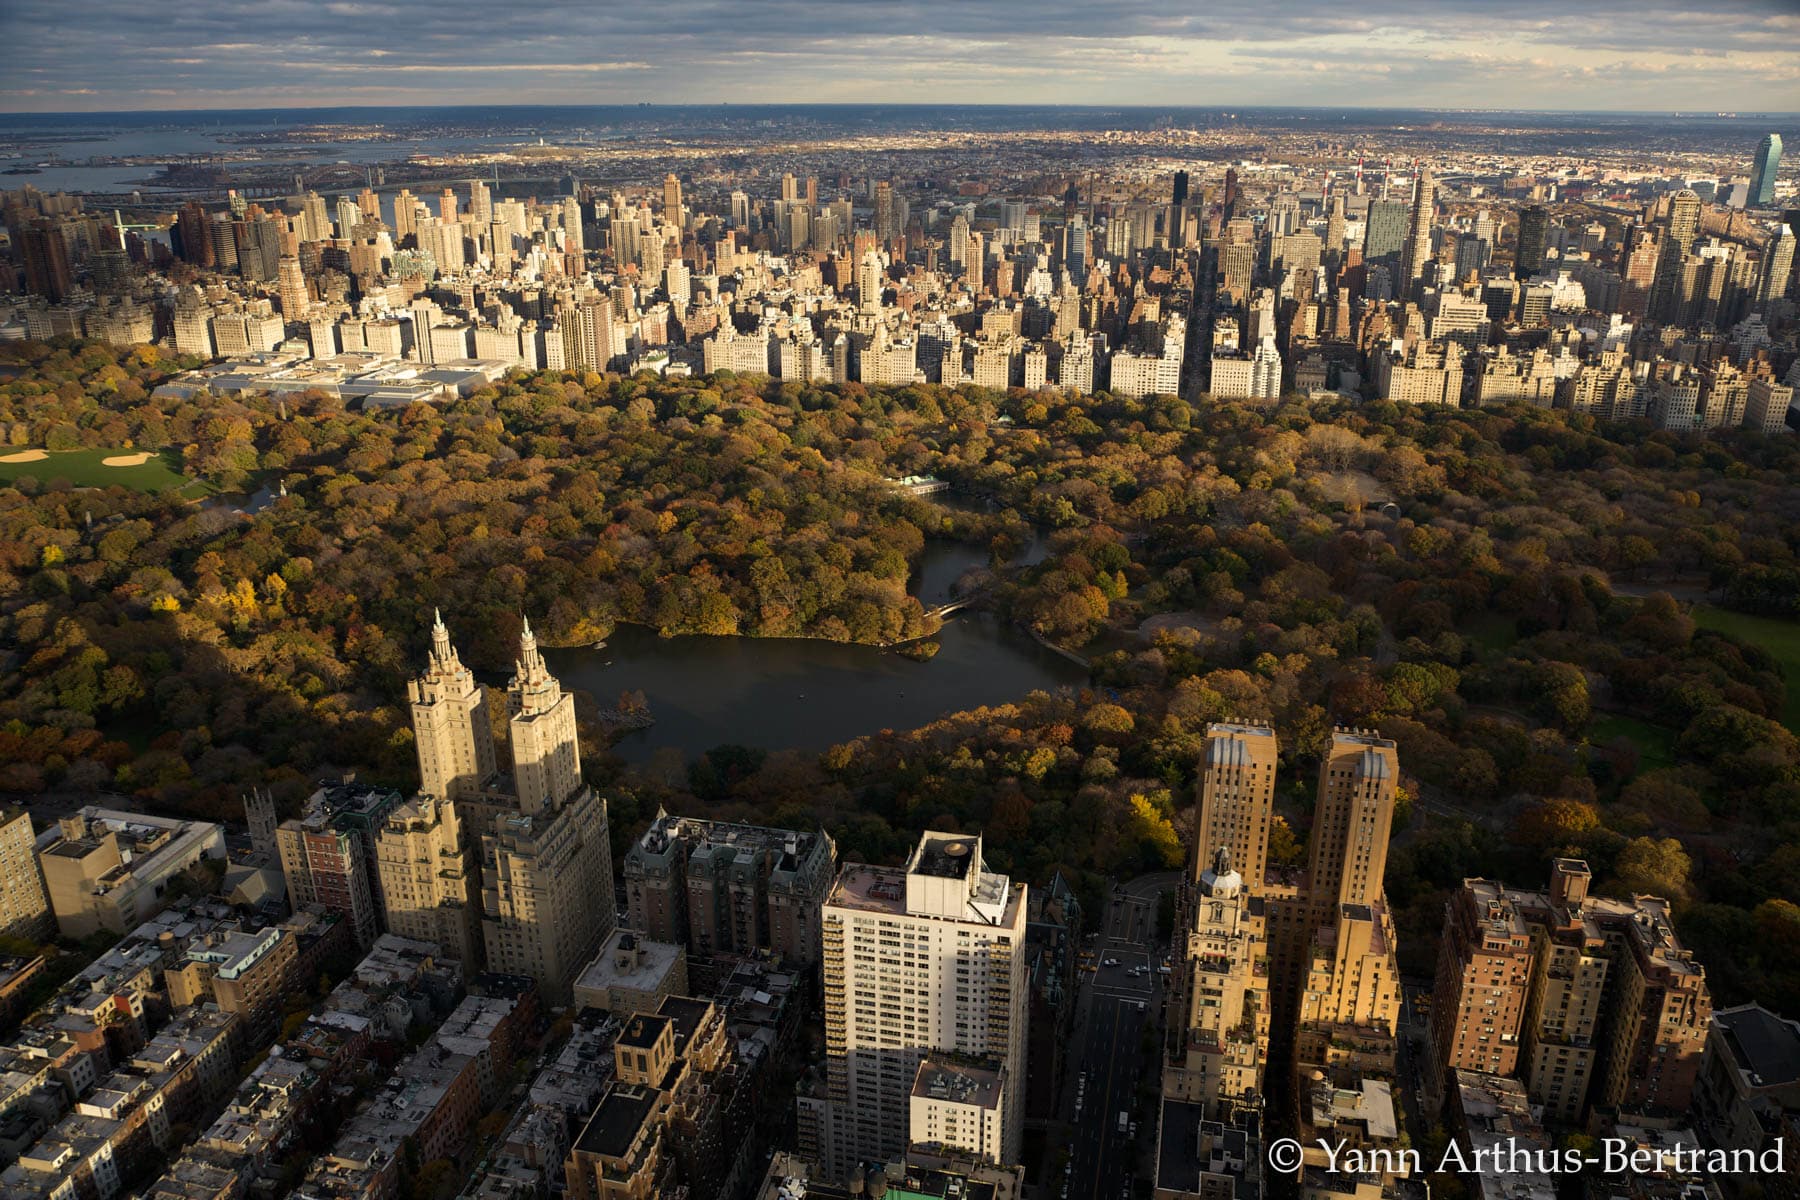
(1456, 449)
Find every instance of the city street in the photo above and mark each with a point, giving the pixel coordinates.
(1415, 1057)
(1115, 1007)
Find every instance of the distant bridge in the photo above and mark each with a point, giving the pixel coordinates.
(945, 609)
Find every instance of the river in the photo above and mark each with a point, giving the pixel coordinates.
(780, 693)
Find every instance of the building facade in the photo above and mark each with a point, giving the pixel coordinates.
(717, 887)
(921, 959)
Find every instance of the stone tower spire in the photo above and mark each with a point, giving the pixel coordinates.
(531, 670)
(443, 654)
(546, 756)
(454, 740)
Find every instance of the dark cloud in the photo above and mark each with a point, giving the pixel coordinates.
(110, 54)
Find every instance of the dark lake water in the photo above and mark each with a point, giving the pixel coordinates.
(807, 695)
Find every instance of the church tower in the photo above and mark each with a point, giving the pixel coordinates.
(450, 723)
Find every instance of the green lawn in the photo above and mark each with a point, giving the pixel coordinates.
(1656, 745)
(1780, 638)
(84, 468)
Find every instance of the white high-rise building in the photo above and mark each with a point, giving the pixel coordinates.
(678, 284)
(869, 283)
(921, 959)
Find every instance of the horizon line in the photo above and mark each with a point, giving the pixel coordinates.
(921, 104)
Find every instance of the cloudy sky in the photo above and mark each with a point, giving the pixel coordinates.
(98, 55)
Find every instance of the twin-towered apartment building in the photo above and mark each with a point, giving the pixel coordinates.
(511, 869)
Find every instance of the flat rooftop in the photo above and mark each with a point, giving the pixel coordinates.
(724, 833)
(688, 1013)
(872, 889)
(645, 963)
(1241, 729)
(1360, 737)
(957, 1083)
(615, 1124)
(1764, 1045)
(1192, 1147)
(941, 1185)
(340, 801)
(643, 1031)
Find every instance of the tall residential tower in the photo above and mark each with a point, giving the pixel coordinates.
(925, 959)
(546, 865)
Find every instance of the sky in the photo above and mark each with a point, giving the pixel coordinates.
(1656, 55)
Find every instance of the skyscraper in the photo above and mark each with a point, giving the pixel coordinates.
(1075, 249)
(1218, 1000)
(1762, 174)
(1180, 194)
(677, 283)
(574, 240)
(46, 255)
(195, 231)
(291, 286)
(929, 957)
(224, 241)
(546, 863)
(544, 872)
(1777, 268)
(1237, 799)
(541, 720)
(349, 216)
(1534, 231)
(315, 221)
(451, 732)
(1416, 251)
(1385, 230)
(1352, 820)
(1680, 230)
(869, 283)
(24, 904)
(672, 200)
(406, 215)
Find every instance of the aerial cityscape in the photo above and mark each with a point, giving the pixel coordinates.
(990, 603)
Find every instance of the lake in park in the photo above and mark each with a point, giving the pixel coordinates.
(780, 693)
